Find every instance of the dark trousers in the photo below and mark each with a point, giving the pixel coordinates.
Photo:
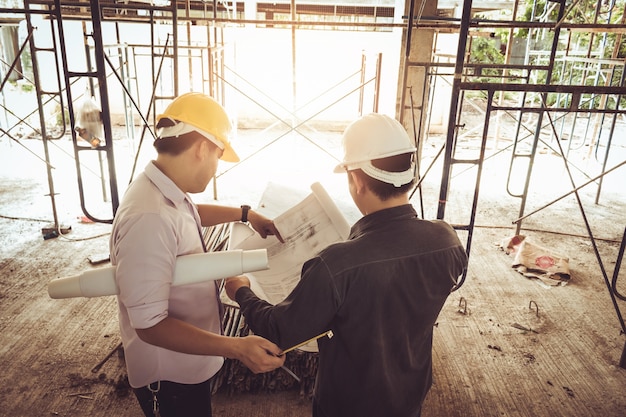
(317, 410)
(177, 400)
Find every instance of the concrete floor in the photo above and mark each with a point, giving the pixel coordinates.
(567, 365)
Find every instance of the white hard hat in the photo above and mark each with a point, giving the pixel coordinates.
(376, 136)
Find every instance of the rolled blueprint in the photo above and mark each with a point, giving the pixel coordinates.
(190, 269)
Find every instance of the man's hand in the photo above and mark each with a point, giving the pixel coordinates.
(234, 283)
(258, 354)
(263, 226)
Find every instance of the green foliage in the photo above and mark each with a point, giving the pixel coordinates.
(486, 51)
(59, 115)
(534, 11)
(573, 44)
(27, 63)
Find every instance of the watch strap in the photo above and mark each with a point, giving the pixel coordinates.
(244, 213)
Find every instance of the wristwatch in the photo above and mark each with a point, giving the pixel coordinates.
(244, 213)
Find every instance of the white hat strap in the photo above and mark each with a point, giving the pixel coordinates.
(398, 179)
(182, 128)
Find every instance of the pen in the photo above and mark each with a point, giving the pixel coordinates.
(289, 371)
(328, 333)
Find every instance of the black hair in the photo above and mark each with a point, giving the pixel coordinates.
(396, 163)
(174, 145)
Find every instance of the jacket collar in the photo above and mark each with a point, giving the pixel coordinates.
(381, 218)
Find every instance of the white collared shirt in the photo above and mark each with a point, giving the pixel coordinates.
(156, 223)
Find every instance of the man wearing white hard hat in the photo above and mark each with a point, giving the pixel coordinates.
(379, 292)
(172, 338)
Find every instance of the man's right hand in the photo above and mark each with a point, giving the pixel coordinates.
(259, 354)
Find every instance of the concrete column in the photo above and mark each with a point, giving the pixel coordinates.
(413, 79)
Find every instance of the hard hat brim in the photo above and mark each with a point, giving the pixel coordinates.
(229, 154)
(342, 167)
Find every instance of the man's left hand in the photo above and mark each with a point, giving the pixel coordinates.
(232, 284)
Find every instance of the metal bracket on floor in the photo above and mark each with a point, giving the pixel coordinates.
(463, 306)
(51, 231)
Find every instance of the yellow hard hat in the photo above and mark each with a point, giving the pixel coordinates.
(204, 113)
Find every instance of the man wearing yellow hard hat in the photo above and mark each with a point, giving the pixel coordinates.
(379, 292)
(171, 335)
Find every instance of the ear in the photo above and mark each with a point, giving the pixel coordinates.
(210, 148)
(359, 184)
(201, 147)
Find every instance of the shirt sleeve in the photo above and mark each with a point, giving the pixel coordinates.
(305, 313)
(145, 248)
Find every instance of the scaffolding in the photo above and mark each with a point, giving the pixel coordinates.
(540, 74)
(563, 82)
(173, 29)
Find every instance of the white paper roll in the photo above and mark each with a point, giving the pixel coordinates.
(190, 269)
